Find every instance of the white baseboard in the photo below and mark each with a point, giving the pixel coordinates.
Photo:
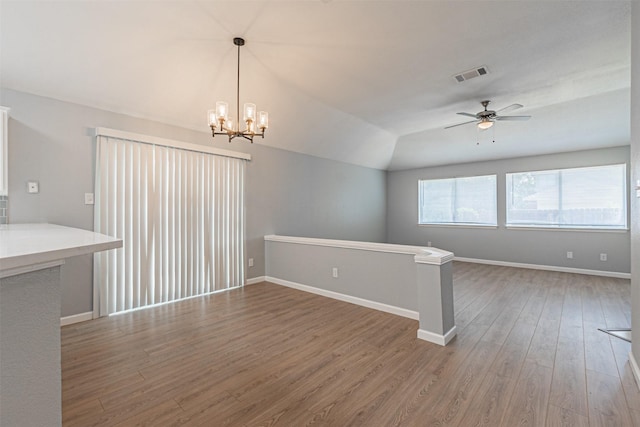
(398, 311)
(254, 280)
(76, 318)
(547, 268)
(437, 338)
(634, 368)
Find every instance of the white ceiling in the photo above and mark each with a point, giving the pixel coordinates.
(365, 82)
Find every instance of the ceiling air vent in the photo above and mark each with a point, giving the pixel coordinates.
(466, 75)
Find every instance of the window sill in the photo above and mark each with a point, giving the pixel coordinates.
(575, 229)
(530, 228)
(460, 226)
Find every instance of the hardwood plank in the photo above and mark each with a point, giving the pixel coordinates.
(160, 414)
(591, 307)
(80, 387)
(607, 403)
(470, 283)
(526, 353)
(528, 404)
(467, 314)
(632, 393)
(534, 306)
(544, 343)
(598, 352)
(491, 402)
(385, 399)
(74, 413)
(408, 397)
(501, 327)
(552, 309)
(569, 387)
(219, 409)
(511, 356)
(615, 303)
(561, 417)
(378, 375)
(296, 394)
(460, 388)
(571, 321)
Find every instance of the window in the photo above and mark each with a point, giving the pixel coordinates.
(593, 197)
(466, 201)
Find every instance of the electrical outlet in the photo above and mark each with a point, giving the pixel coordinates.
(603, 257)
(335, 272)
(429, 244)
(88, 198)
(250, 262)
(570, 255)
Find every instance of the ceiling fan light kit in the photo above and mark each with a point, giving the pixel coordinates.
(220, 122)
(485, 124)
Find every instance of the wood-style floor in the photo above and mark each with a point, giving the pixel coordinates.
(528, 352)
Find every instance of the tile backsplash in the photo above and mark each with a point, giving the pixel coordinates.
(4, 209)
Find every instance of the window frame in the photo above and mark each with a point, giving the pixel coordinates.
(570, 227)
(460, 224)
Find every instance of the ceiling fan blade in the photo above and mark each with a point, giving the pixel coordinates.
(460, 124)
(469, 115)
(510, 108)
(513, 118)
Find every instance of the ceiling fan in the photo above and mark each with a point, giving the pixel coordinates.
(486, 118)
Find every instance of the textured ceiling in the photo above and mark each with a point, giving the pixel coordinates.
(365, 82)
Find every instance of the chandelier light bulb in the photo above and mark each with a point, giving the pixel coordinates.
(249, 112)
(222, 110)
(212, 118)
(263, 120)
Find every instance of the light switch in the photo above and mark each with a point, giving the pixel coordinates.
(88, 198)
(32, 187)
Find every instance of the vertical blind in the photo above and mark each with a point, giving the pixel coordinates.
(180, 214)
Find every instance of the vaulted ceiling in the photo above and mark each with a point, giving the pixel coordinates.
(365, 82)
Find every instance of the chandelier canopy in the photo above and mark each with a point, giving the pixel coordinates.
(222, 124)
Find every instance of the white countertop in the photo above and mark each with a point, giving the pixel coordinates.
(25, 245)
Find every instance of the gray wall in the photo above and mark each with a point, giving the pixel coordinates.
(635, 176)
(286, 193)
(501, 244)
(387, 278)
(292, 194)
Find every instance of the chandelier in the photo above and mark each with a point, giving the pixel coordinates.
(220, 122)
